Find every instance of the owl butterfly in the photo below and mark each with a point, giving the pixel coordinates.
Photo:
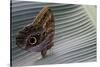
(38, 36)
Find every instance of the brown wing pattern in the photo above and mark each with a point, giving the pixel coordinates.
(38, 36)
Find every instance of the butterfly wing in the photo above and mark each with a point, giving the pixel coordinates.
(43, 20)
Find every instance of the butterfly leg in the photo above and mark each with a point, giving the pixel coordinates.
(43, 53)
(50, 48)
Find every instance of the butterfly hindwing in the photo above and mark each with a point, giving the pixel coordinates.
(38, 36)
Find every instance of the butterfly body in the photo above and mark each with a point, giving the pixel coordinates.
(38, 36)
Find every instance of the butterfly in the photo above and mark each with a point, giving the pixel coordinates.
(38, 36)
